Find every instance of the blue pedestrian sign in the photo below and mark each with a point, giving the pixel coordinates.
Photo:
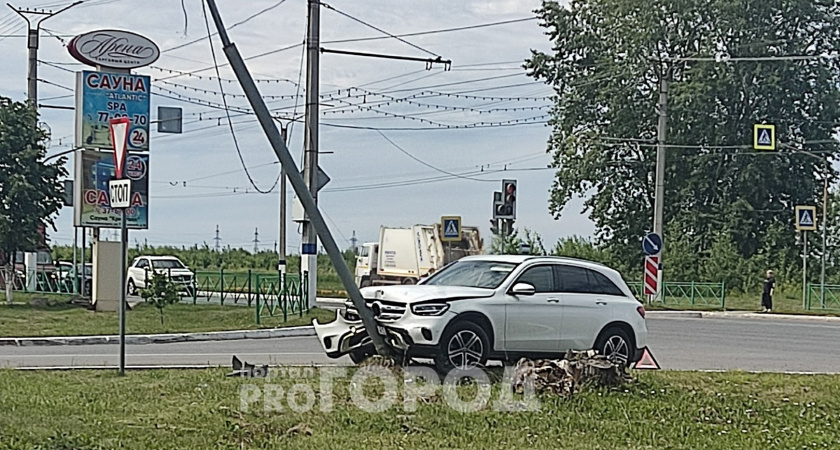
(806, 218)
(451, 228)
(652, 244)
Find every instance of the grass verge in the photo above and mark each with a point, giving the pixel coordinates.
(61, 319)
(201, 409)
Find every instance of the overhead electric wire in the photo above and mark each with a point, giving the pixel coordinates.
(270, 52)
(458, 83)
(391, 35)
(299, 86)
(227, 111)
(246, 20)
(405, 152)
(424, 33)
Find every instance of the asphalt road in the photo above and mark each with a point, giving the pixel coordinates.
(682, 344)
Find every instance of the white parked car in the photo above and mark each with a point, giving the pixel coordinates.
(141, 269)
(498, 307)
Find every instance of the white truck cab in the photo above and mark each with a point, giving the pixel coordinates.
(366, 263)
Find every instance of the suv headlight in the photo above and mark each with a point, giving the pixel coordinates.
(430, 309)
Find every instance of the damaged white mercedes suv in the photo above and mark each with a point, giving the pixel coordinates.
(497, 308)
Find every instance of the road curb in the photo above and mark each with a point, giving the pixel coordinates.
(769, 316)
(142, 339)
(673, 314)
(656, 314)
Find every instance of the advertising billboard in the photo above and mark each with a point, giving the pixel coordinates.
(94, 170)
(102, 96)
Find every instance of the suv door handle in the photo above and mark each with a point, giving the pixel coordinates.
(601, 302)
(553, 300)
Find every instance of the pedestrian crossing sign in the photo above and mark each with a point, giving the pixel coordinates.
(451, 227)
(764, 137)
(806, 218)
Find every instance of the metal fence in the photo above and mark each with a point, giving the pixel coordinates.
(224, 286)
(263, 291)
(286, 296)
(50, 283)
(687, 294)
(822, 297)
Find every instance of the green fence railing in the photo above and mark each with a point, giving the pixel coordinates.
(276, 295)
(822, 297)
(226, 286)
(263, 291)
(687, 293)
(51, 283)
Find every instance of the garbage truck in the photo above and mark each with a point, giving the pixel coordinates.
(407, 255)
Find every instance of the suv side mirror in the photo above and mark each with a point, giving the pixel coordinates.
(523, 289)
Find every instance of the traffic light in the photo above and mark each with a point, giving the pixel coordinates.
(494, 226)
(508, 199)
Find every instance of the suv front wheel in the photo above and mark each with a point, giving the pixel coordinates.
(464, 345)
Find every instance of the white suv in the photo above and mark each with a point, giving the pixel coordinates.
(498, 307)
(140, 272)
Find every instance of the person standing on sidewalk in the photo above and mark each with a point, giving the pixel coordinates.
(767, 291)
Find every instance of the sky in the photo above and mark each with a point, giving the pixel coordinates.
(401, 152)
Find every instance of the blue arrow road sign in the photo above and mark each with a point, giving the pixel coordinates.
(652, 244)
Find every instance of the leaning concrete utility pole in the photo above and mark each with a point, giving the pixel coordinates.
(309, 244)
(296, 180)
(33, 41)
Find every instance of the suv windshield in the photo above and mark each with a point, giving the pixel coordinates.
(480, 274)
(167, 264)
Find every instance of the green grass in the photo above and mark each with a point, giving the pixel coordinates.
(201, 409)
(61, 319)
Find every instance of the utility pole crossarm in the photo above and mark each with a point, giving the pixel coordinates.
(447, 64)
(33, 42)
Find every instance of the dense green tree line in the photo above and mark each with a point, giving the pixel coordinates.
(728, 209)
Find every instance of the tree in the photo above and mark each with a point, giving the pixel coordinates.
(608, 61)
(160, 292)
(30, 190)
(512, 243)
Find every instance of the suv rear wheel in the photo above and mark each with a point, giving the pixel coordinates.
(464, 345)
(616, 345)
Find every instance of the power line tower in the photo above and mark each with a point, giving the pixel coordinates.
(34, 18)
(353, 241)
(256, 240)
(218, 240)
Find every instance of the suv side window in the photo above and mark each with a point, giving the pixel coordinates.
(541, 277)
(143, 263)
(602, 285)
(573, 280)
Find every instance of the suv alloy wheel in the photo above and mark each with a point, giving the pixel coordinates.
(463, 346)
(615, 345)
